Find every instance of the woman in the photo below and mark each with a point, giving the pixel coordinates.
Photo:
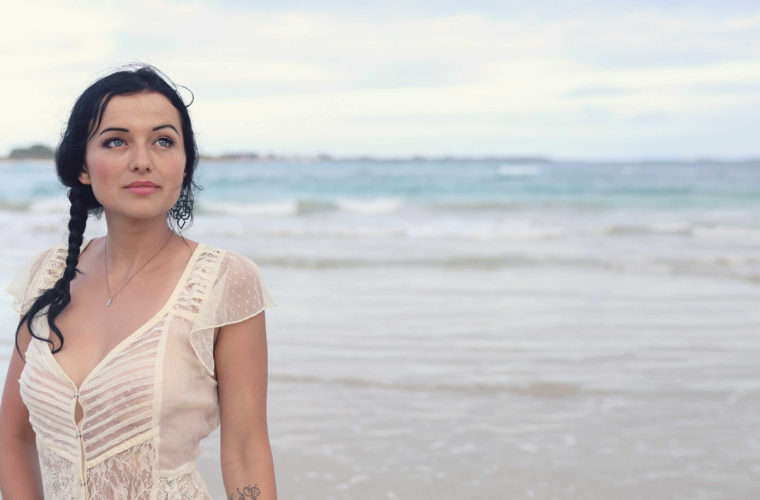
(135, 345)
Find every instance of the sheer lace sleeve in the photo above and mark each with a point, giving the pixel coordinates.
(24, 285)
(237, 293)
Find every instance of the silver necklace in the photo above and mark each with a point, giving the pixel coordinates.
(108, 286)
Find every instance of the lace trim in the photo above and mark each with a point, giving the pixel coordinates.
(126, 476)
(59, 475)
(199, 283)
(188, 486)
(54, 270)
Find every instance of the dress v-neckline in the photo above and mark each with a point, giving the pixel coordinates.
(135, 333)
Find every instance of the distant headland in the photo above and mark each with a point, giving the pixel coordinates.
(33, 152)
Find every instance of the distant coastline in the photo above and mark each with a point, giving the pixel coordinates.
(324, 157)
(44, 152)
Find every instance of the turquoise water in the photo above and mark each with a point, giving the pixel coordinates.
(479, 183)
(476, 183)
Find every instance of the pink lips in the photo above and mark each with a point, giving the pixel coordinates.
(142, 187)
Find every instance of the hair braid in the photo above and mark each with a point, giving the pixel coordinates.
(58, 297)
(77, 224)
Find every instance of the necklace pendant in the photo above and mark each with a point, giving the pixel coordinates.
(110, 299)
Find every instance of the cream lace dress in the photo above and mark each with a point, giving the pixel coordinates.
(151, 400)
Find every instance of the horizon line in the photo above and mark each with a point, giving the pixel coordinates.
(28, 153)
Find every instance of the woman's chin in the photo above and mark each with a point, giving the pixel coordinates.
(136, 216)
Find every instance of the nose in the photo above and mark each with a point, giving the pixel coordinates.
(140, 160)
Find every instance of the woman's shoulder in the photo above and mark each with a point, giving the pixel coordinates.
(54, 258)
(228, 260)
(49, 258)
(38, 272)
(230, 274)
(230, 285)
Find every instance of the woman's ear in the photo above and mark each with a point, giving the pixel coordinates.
(84, 177)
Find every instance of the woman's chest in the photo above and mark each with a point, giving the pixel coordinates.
(136, 356)
(117, 398)
(92, 328)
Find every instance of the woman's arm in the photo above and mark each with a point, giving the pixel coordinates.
(19, 465)
(240, 357)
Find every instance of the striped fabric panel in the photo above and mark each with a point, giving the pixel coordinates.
(118, 399)
(50, 400)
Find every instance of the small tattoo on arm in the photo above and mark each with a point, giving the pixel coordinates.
(247, 492)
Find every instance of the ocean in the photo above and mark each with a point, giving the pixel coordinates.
(484, 329)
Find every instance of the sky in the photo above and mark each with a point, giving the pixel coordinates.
(568, 80)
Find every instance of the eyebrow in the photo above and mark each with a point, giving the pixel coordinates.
(119, 129)
(166, 125)
(112, 129)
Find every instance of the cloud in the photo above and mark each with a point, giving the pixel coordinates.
(396, 81)
(597, 91)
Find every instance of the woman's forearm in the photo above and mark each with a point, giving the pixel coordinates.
(20, 477)
(240, 356)
(250, 479)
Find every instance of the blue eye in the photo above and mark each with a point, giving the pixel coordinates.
(113, 142)
(165, 142)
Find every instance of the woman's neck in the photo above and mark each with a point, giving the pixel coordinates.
(132, 243)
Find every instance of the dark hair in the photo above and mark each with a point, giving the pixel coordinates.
(84, 121)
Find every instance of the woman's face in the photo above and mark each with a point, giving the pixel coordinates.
(135, 160)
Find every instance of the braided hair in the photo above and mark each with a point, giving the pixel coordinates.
(84, 121)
